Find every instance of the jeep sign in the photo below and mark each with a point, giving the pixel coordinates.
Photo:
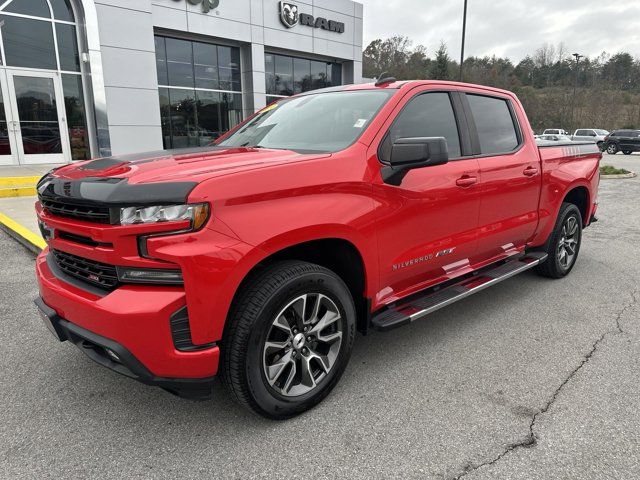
(290, 16)
(207, 5)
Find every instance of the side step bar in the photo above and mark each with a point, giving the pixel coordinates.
(422, 305)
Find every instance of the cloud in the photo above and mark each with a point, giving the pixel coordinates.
(512, 28)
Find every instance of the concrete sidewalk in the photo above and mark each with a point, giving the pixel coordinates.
(17, 199)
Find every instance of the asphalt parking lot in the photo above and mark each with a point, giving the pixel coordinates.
(531, 379)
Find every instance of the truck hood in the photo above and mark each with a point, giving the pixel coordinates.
(192, 165)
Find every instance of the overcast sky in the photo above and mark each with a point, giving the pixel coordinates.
(512, 28)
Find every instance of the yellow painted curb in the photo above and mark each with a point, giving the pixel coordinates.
(21, 233)
(18, 192)
(18, 181)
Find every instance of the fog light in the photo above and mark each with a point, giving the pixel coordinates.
(145, 275)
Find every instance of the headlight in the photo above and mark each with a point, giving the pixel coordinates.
(197, 214)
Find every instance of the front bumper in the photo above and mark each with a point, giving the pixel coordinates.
(116, 357)
(133, 320)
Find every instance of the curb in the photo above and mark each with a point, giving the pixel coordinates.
(18, 186)
(26, 237)
(620, 176)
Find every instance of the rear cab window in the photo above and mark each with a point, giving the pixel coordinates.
(498, 132)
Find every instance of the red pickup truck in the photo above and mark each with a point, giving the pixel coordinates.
(326, 214)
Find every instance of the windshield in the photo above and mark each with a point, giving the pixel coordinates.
(323, 122)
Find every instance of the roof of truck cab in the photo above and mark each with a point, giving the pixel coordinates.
(404, 85)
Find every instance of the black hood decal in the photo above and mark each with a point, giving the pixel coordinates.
(113, 191)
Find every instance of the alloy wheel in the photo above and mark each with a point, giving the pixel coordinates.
(302, 344)
(568, 244)
(612, 149)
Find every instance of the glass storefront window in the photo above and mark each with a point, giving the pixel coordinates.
(35, 8)
(68, 47)
(5, 144)
(206, 65)
(286, 75)
(199, 91)
(28, 43)
(62, 10)
(76, 116)
(28, 37)
(179, 63)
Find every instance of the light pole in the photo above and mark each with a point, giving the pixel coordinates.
(575, 87)
(464, 31)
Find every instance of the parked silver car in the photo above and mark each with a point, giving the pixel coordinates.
(590, 135)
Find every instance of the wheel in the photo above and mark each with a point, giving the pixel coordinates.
(612, 149)
(564, 244)
(600, 146)
(288, 339)
(627, 152)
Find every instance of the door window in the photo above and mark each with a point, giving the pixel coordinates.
(427, 115)
(495, 125)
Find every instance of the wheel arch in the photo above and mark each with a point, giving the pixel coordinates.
(580, 197)
(338, 254)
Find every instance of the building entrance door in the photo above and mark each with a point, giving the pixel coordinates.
(33, 130)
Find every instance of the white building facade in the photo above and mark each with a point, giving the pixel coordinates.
(87, 78)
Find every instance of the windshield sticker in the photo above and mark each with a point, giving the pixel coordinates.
(360, 123)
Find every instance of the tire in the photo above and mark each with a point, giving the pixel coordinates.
(627, 152)
(600, 146)
(612, 149)
(259, 339)
(557, 266)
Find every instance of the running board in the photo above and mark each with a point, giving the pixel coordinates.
(421, 306)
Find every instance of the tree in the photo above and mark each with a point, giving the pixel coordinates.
(440, 69)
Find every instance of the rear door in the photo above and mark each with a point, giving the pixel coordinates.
(427, 226)
(511, 174)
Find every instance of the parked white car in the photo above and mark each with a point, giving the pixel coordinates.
(555, 131)
(596, 135)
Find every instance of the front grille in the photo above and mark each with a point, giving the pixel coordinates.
(85, 213)
(95, 273)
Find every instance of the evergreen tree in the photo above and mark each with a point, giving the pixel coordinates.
(440, 66)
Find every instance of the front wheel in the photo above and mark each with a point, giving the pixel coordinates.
(564, 244)
(612, 149)
(288, 339)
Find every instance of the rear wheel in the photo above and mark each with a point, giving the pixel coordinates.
(612, 149)
(564, 244)
(600, 146)
(288, 339)
(627, 152)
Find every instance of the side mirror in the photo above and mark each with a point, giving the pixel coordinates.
(416, 152)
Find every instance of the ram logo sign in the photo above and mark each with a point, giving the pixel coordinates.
(207, 5)
(290, 16)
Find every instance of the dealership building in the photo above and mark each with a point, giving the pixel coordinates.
(88, 78)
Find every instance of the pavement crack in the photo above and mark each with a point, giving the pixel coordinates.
(531, 439)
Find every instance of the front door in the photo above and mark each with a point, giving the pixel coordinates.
(36, 117)
(427, 226)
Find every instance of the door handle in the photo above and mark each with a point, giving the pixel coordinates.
(530, 171)
(466, 181)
